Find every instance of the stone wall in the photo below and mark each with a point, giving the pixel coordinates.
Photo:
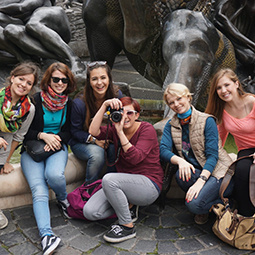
(78, 42)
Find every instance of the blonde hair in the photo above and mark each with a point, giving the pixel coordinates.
(178, 90)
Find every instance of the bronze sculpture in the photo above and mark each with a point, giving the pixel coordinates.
(35, 30)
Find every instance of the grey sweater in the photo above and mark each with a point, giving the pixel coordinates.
(17, 136)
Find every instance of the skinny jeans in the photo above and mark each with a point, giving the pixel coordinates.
(119, 190)
(208, 195)
(41, 174)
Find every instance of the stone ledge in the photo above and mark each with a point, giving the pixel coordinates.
(14, 189)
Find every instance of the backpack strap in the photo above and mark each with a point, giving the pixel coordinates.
(227, 178)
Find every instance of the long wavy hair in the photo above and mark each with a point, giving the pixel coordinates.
(215, 105)
(88, 95)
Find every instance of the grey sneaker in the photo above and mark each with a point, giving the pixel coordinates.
(134, 212)
(3, 220)
(49, 244)
(118, 233)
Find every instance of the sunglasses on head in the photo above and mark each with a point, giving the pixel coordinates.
(94, 63)
(131, 112)
(57, 79)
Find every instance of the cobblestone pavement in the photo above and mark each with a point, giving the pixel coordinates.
(172, 231)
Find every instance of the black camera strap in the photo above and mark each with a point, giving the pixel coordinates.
(119, 145)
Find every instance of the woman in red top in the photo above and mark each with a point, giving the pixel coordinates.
(235, 113)
(139, 176)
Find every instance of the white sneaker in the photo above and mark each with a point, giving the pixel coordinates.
(49, 244)
(3, 220)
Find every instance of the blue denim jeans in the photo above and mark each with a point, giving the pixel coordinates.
(39, 175)
(208, 195)
(94, 155)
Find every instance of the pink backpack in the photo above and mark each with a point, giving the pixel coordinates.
(79, 197)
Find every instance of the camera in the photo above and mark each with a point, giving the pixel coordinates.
(115, 115)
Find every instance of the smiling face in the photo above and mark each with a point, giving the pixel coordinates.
(21, 85)
(178, 104)
(58, 86)
(99, 81)
(227, 89)
(130, 116)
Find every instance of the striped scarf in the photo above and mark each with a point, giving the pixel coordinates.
(11, 117)
(53, 101)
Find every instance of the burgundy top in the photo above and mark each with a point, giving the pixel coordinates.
(142, 157)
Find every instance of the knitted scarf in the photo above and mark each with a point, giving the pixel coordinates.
(53, 101)
(11, 117)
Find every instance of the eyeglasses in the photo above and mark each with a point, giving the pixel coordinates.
(131, 112)
(57, 79)
(94, 63)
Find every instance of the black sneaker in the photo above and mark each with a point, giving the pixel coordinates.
(118, 233)
(63, 209)
(49, 244)
(134, 212)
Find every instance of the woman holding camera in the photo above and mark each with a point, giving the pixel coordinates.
(139, 176)
(98, 88)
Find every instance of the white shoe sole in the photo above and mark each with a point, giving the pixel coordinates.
(118, 240)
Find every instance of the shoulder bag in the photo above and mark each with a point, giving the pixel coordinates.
(231, 227)
(35, 148)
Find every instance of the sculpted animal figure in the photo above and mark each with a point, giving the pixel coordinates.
(163, 45)
(32, 29)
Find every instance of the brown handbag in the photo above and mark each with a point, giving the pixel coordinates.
(231, 227)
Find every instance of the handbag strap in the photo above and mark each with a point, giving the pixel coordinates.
(252, 184)
(227, 178)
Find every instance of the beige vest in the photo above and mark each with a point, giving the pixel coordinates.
(197, 141)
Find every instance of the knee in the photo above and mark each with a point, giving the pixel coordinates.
(89, 213)
(195, 206)
(107, 180)
(55, 177)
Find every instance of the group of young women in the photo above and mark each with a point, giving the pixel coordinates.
(190, 140)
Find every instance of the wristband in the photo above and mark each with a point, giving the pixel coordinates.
(125, 144)
(204, 178)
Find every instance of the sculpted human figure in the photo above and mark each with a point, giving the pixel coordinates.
(35, 29)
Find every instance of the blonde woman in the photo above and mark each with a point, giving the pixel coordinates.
(190, 140)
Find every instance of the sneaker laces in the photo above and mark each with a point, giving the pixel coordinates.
(116, 229)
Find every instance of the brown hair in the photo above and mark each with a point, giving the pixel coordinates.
(88, 95)
(63, 68)
(25, 68)
(215, 105)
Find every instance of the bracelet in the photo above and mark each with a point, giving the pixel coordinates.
(204, 178)
(125, 144)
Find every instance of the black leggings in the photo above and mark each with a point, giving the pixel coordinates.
(241, 188)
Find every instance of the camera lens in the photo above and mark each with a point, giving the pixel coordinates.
(116, 116)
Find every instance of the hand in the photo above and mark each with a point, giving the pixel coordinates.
(101, 143)
(114, 103)
(53, 142)
(185, 169)
(194, 190)
(7, 168)
(3, 143)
